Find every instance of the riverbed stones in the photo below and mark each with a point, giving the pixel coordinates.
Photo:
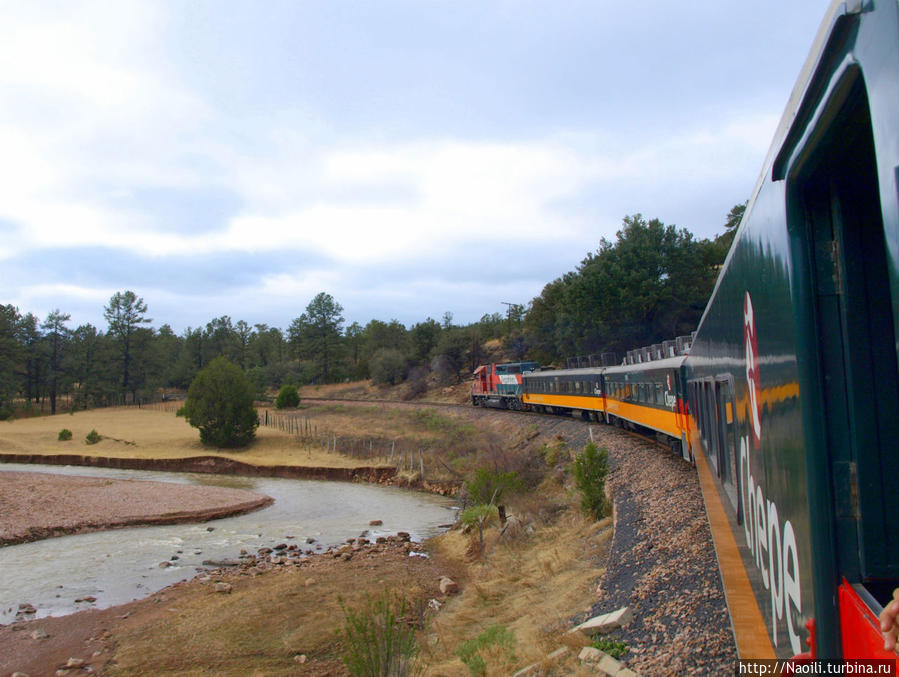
(375, 523)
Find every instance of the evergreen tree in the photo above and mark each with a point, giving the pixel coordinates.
(125, 314)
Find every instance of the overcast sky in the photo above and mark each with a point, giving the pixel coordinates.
(409, 158)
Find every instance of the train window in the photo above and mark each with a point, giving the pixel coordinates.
(724, 396)
(709, 433)
(577, 387)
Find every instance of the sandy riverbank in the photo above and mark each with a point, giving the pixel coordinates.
(41, 505)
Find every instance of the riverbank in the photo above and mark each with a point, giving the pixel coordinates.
(38, 505)
(263, 617)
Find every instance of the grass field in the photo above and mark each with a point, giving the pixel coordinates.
(130, 432)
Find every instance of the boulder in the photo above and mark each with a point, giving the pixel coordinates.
(605, 623)
(223, 587)
(375, 523)
(39, 633)
(590, 655)
(448, 586)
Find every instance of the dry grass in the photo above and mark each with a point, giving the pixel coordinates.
(129, 432)
(265, 622)
(532, 586)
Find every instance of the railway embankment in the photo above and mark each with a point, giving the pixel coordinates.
(662, 564)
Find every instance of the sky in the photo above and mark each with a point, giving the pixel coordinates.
(408, 158)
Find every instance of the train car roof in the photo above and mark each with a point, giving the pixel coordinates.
(667, 363)
(583, 371)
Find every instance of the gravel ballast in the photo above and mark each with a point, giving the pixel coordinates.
(663, 565)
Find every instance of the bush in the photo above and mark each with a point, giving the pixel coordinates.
(92, 437)
(378, 640)
(220, 404)
(287, 397)
(590, 470)
(472, 651)
(480, 516)
(615, 648)
(489, 486)
(387, 366)
(64, 435)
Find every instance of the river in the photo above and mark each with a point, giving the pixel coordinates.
(123, 564)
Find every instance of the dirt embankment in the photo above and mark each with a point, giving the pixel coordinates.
(41, 505)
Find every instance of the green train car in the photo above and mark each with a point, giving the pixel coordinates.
(792, 378)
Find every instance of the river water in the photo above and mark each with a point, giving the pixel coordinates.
(123, 564)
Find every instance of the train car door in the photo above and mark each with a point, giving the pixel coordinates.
(849, 383)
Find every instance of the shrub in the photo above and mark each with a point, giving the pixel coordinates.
(555, 452)
(387, 366)
(590, 470)
(615, 648)
(93, 437)
(220, 404)
(480, 516)
(287, 397)
(64, 435)
(489, 486)
(378, 640)
(472, 651)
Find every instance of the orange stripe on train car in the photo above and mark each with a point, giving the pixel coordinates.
(663, 420)
(750, 631)
(568, 401)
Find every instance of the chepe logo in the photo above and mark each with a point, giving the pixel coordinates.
(753, 379)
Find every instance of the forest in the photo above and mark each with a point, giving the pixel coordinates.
(650, 284)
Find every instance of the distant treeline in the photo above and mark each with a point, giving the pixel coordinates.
(651, 284)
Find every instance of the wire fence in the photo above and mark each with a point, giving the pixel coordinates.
(376, 450)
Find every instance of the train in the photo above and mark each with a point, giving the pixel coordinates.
(786, 399)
